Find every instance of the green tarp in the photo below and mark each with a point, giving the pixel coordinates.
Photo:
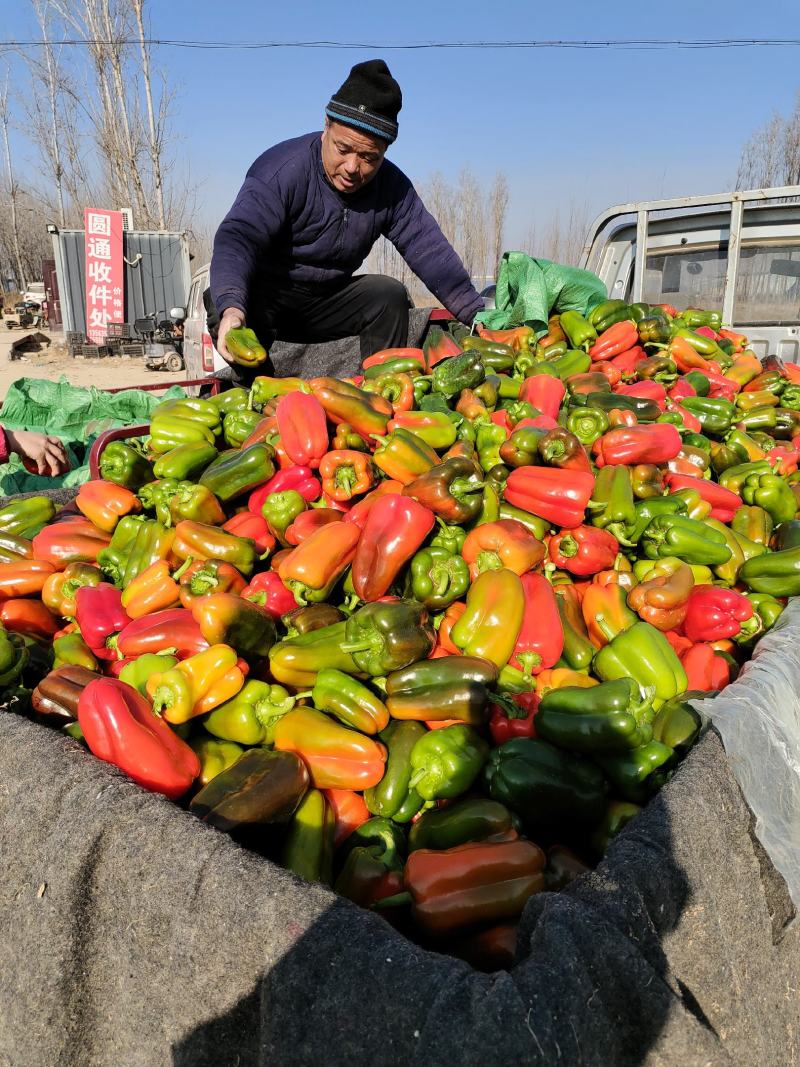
(530, 290)
(74, 414)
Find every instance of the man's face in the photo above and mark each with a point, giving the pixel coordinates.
(350, 158)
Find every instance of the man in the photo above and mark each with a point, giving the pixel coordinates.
(309, 212)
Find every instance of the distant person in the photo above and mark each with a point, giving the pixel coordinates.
(307, 216)
(40, 454)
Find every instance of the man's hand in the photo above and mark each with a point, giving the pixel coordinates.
(39, 454)
(232, 319)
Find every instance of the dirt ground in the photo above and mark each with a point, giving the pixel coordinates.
(53, 362)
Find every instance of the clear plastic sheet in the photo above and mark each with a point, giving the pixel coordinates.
(758, 718)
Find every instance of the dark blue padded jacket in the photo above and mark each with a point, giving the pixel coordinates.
(289, 224)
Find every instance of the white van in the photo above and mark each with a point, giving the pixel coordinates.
(199, 354)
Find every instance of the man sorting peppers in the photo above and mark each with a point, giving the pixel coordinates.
(309, 212)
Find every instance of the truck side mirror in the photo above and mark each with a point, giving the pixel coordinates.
(177, 314)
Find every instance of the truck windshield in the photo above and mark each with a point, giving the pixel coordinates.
(686, 278)
(768, 284)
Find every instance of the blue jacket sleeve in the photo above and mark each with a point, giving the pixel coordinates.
(244, 235)
(417, 237)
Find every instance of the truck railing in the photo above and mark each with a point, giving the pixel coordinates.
(643, 209)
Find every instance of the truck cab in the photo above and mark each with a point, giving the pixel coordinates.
(738, 251)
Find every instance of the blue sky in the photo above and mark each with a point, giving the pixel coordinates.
(585, 127)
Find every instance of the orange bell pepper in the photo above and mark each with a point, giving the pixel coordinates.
(705, 669)
(196, 685)
(744, 368)
(104, 503)
(350, 811)
(346, 473)
(336, 757)
(59, 589)
(504, 543)
(312, 568)
(28, 617)
(246, 524)
(155, 589)
(72, 541)
(519, 337)
(661, 600)
(562, 677)
(449, 619)
(25, 577)
(604, 608)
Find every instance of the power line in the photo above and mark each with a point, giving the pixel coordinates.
(642, 44)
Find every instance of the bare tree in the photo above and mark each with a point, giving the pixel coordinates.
(13, 188)
(498, 205)
(560, 240)
(155, 129)
(474, 242)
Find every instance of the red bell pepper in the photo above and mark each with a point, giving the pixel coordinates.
(99, 613)
(612, 374)
(438, 345)
(681, 389)
(268, 590)
(705, 669)
(395, 528)
(540, 641)
(119, 727)
(386, 355)
(246, 524)
(544, 392)
(713, 613)
(303, 428)
(308, 522)
(626, 362)
(690, 420)
(350, 811)
(724, 502)
(721, 386)
(630, 445)
(173, 628)
(647, 390)
(559, 496)
(358, 512)
(583, 550)
(784, 460)
(619, 338)
(73, 541)
(28, 617)
(301, 479)
(504, 726)
(502, 418)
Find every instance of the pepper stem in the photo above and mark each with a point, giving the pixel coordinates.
(182, 569)
(392, 902)
(356, 646)
(604, 627)
(417, 777)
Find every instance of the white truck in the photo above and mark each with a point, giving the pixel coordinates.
(738, 251)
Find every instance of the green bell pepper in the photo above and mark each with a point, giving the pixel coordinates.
(185, 462)
(610, 717)
(445, 763)
(237, 472)
(580, 333)
(455, 373)
(124, 465)
(437, 577)
(72, 649)
(237, 399)
(644, 654)
(308, 848)
(538, 527)
(652, 508)
(153, 542)
(488, 440)
(384, 637)
(113, 559)
(688, 539)
(768, 609)
(349, 700)
(776, 573)
(632, 773)
(715, 414)
(215, 756)
(587, 424)
(137, 672)
(612, 506)
(451, 687)
(733, 478)
(451, 538)
(773, 494)
(494, 355)
(678, 725)
(617, 815)
(238, 425)
(281, 509)
(169, 431)
(392, 798)
(645, 410)
(466, 820)
(25, 518)
(548, 789)
(251, 716)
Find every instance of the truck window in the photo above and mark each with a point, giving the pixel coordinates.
(686, 278)
(768, 285)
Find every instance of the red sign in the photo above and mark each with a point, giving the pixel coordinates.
(105, 301)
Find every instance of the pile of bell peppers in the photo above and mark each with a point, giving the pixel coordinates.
(429, 635)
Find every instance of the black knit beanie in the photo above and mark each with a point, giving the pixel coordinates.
(369, 100)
